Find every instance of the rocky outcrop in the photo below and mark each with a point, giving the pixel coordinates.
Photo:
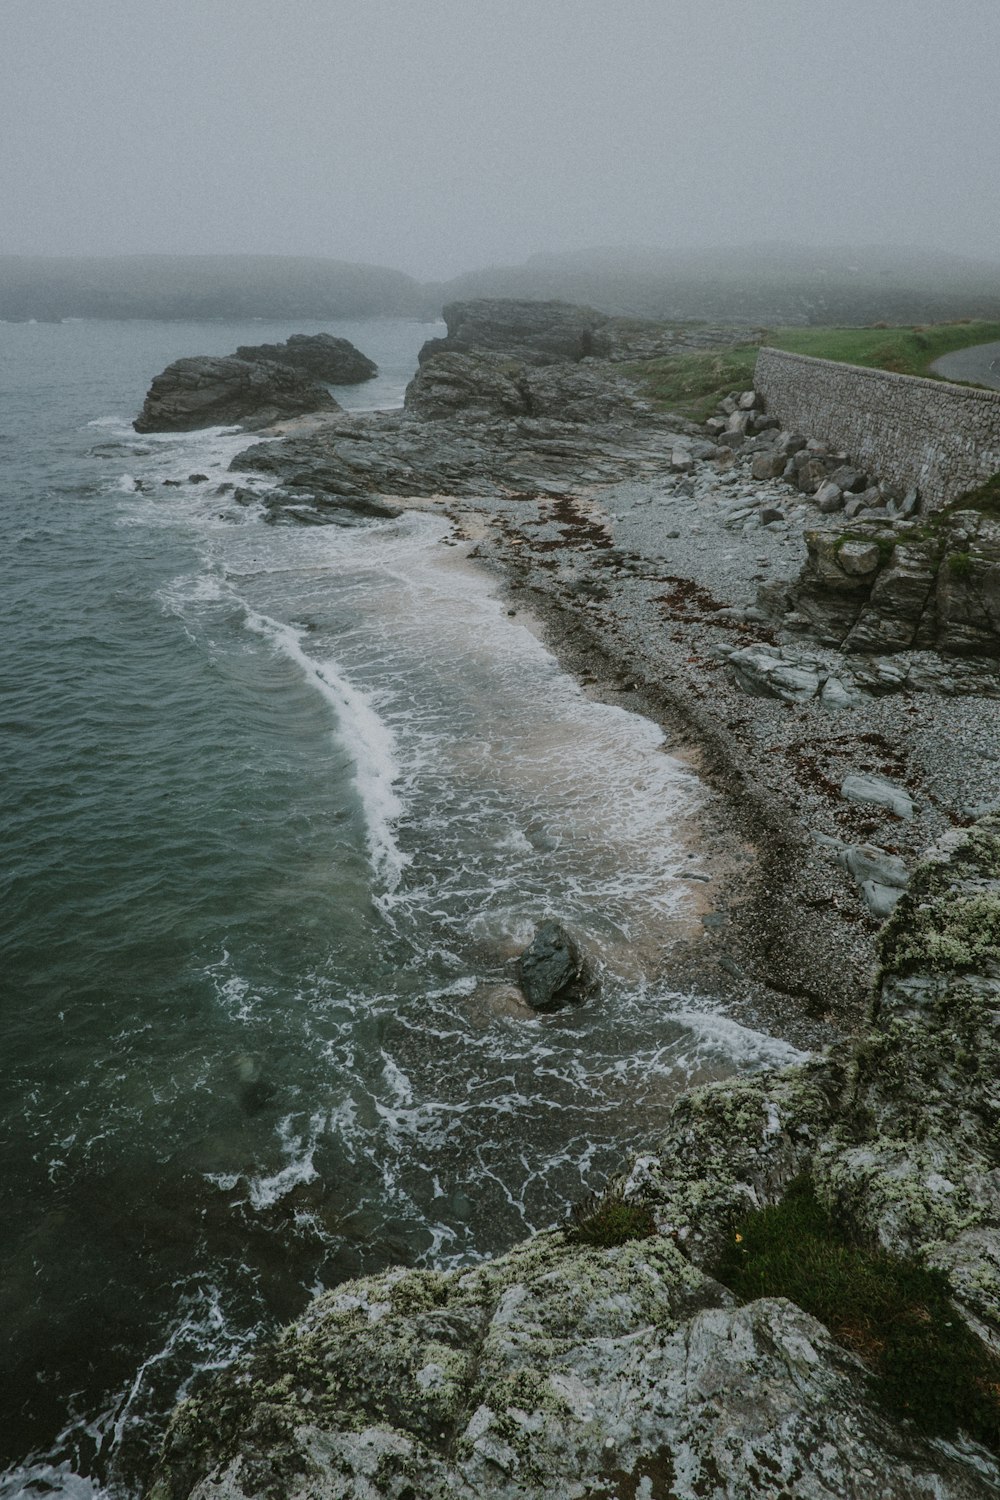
(534, 332)
(206, 391)
(487, 385)
(566, 1370)
(873, 590)
(319, 355)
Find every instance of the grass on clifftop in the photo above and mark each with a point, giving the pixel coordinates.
(895, 1314)
(693, 383)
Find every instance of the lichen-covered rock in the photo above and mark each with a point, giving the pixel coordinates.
(968, 587)
(915, 1157)
(595, 1373)
(872, 590)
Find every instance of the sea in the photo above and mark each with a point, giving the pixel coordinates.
(281, 804)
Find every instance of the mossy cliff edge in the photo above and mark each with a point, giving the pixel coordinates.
(563, 1369)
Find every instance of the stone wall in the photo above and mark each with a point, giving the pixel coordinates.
(943, 438)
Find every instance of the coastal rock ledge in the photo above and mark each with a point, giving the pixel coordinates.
(630, 1372)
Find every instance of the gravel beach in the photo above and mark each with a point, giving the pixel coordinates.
(642, 588)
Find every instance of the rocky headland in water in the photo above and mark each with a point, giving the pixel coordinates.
(258, 385)
(828, 657)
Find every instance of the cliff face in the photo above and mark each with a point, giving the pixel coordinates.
(568, 1370)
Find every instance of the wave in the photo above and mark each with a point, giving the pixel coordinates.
(367, 738)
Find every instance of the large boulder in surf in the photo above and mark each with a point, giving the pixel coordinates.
(552, 972)
(539, 333)
(320, 355)
(209, 391)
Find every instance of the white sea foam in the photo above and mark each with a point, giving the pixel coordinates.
(35, 1481)
(739, 1045)
(265, 1191)
(368, 739)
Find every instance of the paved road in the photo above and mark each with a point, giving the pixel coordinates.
(980, 364)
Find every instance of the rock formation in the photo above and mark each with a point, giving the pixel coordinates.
(319, 355)
(208, 391)
(566, 1370)
(536, 332)
(480, 385)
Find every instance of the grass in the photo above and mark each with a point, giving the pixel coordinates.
(895, 1314)
(607, 1219)
(693, 383)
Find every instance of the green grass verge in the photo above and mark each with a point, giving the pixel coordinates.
(894, 1313)
(693, 383)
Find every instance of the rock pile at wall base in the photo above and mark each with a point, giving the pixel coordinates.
(562, 1370)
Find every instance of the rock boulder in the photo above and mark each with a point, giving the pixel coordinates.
(208, 391)
(552, 971)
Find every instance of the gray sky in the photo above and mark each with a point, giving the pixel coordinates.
(439, 135)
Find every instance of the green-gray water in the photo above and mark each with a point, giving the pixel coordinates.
(280, 804)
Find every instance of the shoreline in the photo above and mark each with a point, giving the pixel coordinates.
(645, 560)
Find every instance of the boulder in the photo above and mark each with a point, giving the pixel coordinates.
(829, 497)
(848, 479)
(767, 466)
(859, 559)
(207, 391)
(771, 672)
(320, 355)
(552, 972)
(809, 471)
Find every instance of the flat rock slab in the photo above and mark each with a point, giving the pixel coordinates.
(875, 789)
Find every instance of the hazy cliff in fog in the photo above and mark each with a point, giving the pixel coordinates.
(768, 284)
(757, 284)
(202, 286)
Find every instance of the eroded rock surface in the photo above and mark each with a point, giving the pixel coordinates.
(560, 1370)
(320, 355)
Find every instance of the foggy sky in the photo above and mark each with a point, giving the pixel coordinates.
(440, 135)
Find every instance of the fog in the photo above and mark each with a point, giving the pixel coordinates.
(439, 135)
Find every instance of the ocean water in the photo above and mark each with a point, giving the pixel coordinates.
(280, 804)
